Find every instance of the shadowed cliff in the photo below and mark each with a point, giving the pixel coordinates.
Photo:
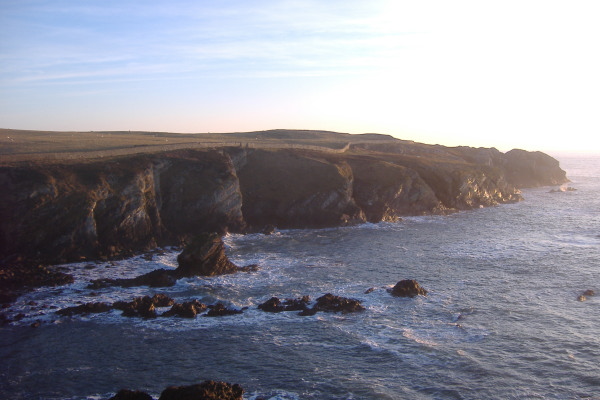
(58, 212)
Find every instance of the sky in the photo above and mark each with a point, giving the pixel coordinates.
(505, 74)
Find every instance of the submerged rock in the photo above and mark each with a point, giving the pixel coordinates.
(207, 390)
(408, 288)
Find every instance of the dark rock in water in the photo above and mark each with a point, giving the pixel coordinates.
(144, 307)
(408, 288)
(157, 278)
(188, 309)
(14, 279)
(275, 305)
(204, 256)
(583, 296)
(272, 305)
(162, 300)
(369, 290)
(125, 394)
(219, 310)
(207, 390)
(87, 308)
(296, 304)
(331, 303)
(308, 312)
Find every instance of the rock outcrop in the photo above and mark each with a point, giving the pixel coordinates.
(204, 255)
(331, 303)
(408, 288)
(207, 390)
(275, 305)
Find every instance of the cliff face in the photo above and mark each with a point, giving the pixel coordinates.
(64, 213)
(57, 213)
(293, 189)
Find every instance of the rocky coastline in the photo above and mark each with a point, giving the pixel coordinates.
(104, 209)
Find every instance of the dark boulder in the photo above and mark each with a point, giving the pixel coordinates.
(126, 394)
(219, 310)
(188, 309)
(331, 303)
(207, 390)
(204, 255)
(408, 288)
(87, 308)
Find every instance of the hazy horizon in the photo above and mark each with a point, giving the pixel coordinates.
(505, 75)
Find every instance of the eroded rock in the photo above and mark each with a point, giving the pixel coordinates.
(408, 288)
(207, 390)
(144, 307)
(204, 255)
(188, 309)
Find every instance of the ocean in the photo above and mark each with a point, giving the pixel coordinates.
(502, 319)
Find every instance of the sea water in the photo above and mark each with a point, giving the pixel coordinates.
(501, 320)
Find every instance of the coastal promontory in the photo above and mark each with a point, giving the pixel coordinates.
(116, 197)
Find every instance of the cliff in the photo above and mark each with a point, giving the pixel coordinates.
(58, 212)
